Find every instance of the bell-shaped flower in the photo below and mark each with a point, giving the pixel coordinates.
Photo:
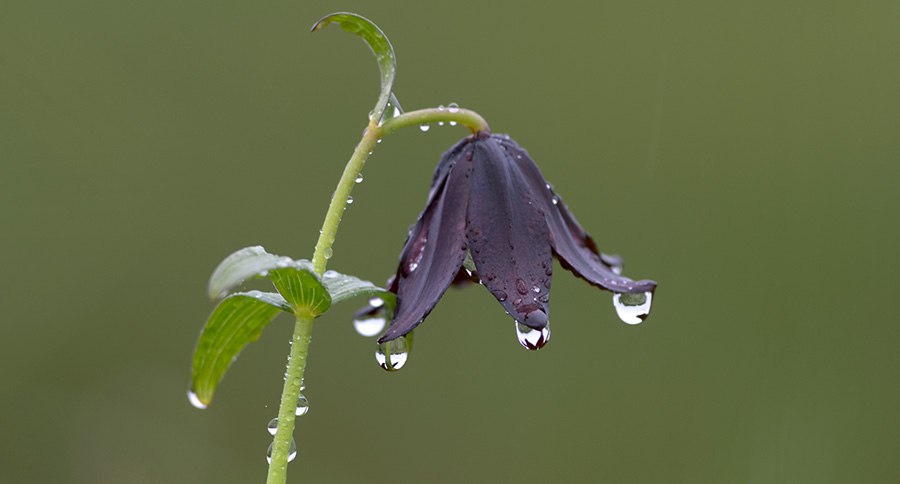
(492, 217)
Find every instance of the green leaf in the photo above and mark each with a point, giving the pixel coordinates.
(302, 289)
(238, 320)
(244, 264)
(378, 42)
(343, 287)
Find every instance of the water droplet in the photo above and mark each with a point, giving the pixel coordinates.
(392, 355)
(452, 123)
(441, 107)
(359, 178)
(328, 252)
(500, 295)
(369, 326)
(349, 200)
(530, 338)
(520, 286)
(272, 426)
(633, 308)
(453, 108)
(440, 123)
(413, 266)
(376, 302)
(195, 400)
(555, 200)
(378, 140)
(292, 452)
(536, 289)
(424, 127)
(302, 406)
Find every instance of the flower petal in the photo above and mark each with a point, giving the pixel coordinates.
(575, 249)
(436, 247)
(508, 236)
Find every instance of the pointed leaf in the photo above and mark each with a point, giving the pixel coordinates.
(377, 41)
(238, 320)
(343, 287)
(302, 288)
(244, 264)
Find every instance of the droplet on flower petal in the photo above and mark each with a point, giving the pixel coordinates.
(633, 308)
(530, 338)
(369, 326)
(392, 355)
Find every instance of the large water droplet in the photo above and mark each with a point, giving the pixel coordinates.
(369, 325)
(453, 107)
(424, 127)
(359, 178)
(195, 400)
(272, 426)
(633, 308)
(392, 355)
(533, 339)
(292, 452)
(302, 406)
(328, 252)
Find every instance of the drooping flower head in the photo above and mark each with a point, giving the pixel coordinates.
(489, 200)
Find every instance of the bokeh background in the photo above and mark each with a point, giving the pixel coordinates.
(744, 154)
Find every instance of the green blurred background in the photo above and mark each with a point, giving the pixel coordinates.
(743, 154)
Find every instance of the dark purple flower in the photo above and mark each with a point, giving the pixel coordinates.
(489, 199)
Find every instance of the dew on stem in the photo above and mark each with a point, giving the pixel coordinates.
(302, 406)
(292, 452)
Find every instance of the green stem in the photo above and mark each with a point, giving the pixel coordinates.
(290, 393)
(366, 145)
(303, 329)
(467, 118)
(341, 195)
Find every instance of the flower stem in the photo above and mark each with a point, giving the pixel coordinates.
(467, 118)
(303, 329)
(290, 393)
(366, 145)
(341, 194)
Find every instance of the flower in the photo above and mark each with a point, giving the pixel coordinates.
(489, 200)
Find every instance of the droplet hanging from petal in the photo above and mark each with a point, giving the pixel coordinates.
(392, 355)
(633, 308)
